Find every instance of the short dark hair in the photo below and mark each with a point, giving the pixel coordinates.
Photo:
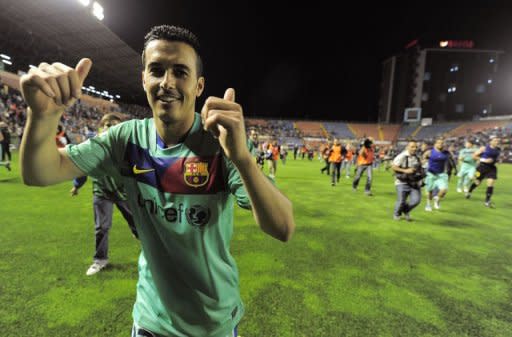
(109, 118)
(174, 33)
(367, 143)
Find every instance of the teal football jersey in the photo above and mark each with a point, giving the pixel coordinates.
(182, 199)
(467, 155)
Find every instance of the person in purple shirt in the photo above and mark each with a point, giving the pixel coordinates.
(488, 156)
(437, 176)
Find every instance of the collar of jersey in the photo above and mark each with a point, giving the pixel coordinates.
(195, 126)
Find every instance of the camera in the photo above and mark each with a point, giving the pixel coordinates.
(414, 177)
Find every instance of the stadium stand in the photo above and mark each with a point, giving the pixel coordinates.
(436, 130)
(116, 65)
(338, 130)
(406, 131)
(311, 129)
(291, 140)
(364, 130)
(257, 123)
(388, 132)
(474, 127)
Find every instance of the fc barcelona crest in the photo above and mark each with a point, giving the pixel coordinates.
(196, 174)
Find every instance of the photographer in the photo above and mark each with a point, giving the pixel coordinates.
(409, 176)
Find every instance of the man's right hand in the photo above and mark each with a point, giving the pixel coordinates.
(409, 170)
(49, 89)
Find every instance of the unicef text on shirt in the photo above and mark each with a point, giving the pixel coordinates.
(197, 216)
(170, 214)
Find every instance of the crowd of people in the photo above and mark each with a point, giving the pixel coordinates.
(416, 164)
(276, 129)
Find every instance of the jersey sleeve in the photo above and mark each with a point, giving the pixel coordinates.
(236, 186)
(101, 155)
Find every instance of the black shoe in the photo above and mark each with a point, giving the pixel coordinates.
(8, 166)
(468, 195)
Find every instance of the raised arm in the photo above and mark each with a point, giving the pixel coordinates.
(271, 209)
(48, 90)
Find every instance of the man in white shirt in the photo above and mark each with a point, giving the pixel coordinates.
(407, 167)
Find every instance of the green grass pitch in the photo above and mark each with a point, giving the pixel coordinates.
(350, 270)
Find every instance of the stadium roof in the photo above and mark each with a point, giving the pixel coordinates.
(64, 30)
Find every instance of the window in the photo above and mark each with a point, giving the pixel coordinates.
(480, 89)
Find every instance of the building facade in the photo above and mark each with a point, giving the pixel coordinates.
(452, 81)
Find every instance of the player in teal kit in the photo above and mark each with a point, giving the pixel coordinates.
(182, 171)
(467, 167)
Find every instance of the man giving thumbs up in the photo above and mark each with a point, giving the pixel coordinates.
(179, 169)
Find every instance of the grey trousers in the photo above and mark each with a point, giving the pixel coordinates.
(360, 170)
(335, 172)
(346, 165)
(103, 211)
(403, 191)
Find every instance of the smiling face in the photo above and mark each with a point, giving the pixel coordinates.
(412, 147)
(171, 81)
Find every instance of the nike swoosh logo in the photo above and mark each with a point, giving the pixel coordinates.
(141, 171)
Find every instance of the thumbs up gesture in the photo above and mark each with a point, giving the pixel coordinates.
(224, 118)
(49, 89)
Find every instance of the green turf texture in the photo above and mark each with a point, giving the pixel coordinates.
(350, 270)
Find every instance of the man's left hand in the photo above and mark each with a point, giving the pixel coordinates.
(224, 118)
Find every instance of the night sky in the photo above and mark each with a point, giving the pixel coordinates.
(311, 61)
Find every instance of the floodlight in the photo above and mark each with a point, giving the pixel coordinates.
(97, 11)
(85, 3)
